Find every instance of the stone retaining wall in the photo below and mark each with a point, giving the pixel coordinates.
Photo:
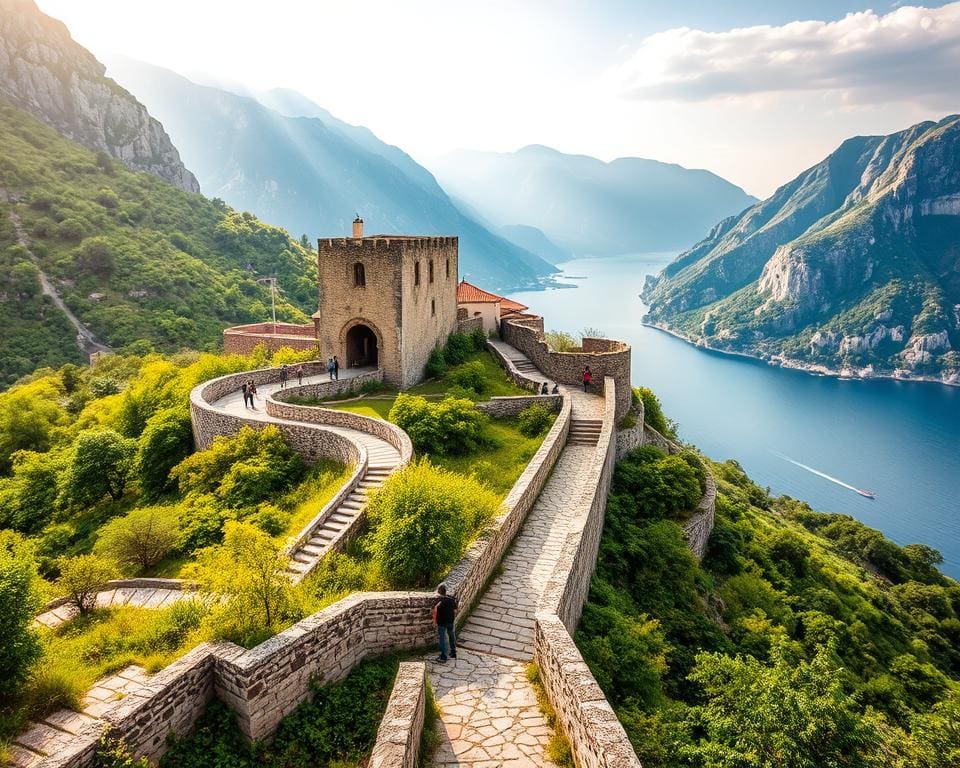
(517, 377)
(398, 738)
(596, 736)
(607, 358)
(324, 389)
(469, 325)
(508, 407)
(242, 339)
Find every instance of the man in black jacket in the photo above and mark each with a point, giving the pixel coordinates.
(444, 616)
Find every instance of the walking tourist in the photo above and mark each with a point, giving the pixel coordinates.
(543, 389)
(244, 390)
(300, 374)
(330, 368)
(556, 389)
(587, 377)
(283, 376)
(336, 368)
(252, 392)
(444, 615)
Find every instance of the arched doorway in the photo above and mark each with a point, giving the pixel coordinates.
(361, 344)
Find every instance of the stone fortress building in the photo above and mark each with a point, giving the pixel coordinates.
(386, 301)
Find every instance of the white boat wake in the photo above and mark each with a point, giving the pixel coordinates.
(824, 475)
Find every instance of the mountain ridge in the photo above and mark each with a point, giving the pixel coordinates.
(851, 268)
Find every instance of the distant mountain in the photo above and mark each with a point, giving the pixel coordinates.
(588, 206)
(46, 73)
(853, 266)
(305, 170)
(535, 241)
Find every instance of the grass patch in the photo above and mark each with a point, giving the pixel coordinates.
(558, 748)
(323, 481)
(430, 737)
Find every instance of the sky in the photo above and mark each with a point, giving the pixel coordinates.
(754, 90)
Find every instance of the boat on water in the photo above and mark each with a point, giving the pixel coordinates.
(865, 492)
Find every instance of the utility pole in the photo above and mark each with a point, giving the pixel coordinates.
(273, 298)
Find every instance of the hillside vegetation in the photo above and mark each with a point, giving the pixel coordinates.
(803, 640)
(141, 263)
(854, 265)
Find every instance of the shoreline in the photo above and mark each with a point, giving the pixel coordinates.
(794, 365)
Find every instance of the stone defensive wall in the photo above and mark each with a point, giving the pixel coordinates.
(510, 406)
(596, 736)
(607, 358)
(241, 339)
(398, 738)
(469, 324)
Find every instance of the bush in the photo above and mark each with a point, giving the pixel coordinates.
(479, 339)
(470, 376)
(165, 442)
(19, 600)
(372, 387)
(82, 577)
(657, 485)
(458, 349)
(423, 518)
(534, 421)
(436, 364)
(561, 341)
(101, 464)
(451, 427)
(652, 411)
(141, 538)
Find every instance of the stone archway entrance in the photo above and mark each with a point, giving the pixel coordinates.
(361, 347)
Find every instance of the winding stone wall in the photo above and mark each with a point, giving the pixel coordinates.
(508, 407)
(242, 339)
(325, 389)
(468, 325)
(596, 736)
(607, 358)
(398, 738)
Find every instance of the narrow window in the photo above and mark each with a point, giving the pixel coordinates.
(431, 270)
(448, 267)
(416, 273)
(433, 307)
(359, 276)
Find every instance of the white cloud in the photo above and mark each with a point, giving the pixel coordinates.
(911, 53)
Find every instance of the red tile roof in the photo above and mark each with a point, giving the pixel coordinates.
(509, 305)
(467, 293)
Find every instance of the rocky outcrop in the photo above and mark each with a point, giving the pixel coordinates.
(45, 72)
(852, 266)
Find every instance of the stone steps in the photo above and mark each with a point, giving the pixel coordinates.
(584, 431)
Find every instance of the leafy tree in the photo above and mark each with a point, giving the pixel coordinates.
(82, 577)
(165, 442)
(790, 714)
(659, 485)
(250, 569)
(141, 538)
(423, 518)
(451, 427)
(31, 497)
(19, 600)
(29, 417)
(101, 464)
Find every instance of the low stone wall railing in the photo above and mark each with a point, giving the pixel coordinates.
(596, 736)
(398, 738)
(508, 407)
(324, 389)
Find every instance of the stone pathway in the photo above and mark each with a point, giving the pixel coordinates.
(142, 597)
(383, 459)
(490, 716)
(46, 737)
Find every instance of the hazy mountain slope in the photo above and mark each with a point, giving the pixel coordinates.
(311, 176)
(854, 263)
(535, 241)
(134, 258)
(46, 73)
(588, 206)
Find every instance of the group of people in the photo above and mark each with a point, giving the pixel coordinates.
(249, 390)
(545, 390)
(587, 381)
(333, 368)
(285, 375)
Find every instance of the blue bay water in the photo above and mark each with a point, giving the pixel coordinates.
(898, 439)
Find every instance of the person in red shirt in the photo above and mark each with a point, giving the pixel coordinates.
(587, 377)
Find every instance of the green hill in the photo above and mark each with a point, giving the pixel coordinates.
(134, 258)
(854, 265)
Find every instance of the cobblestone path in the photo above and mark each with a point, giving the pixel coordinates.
(490, 716)
(142, 597)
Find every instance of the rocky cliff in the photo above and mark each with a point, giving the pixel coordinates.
(853, 267)
(45, 72)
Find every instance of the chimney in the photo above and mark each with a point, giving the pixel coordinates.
(357, 227)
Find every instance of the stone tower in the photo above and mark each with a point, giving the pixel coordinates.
(386, 301)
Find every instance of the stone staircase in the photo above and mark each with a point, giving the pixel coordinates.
(382, 460)
(525, 366)
(585, 431)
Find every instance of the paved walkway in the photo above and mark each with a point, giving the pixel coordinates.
(490, 716)
(383, 459)
(142, 597)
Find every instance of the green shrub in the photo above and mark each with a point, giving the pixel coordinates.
(534, 420)
(470, 376)
(659, 485)
(114, 753)
(458, 349)
(479, 339)
(19, 601)
(423, 518)
(82, 577)
(166, 440)
(451, 427)
(101, 464)
(653, 412)
(561, 341)
(141, 538)
(436, 364)
(372, 387)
